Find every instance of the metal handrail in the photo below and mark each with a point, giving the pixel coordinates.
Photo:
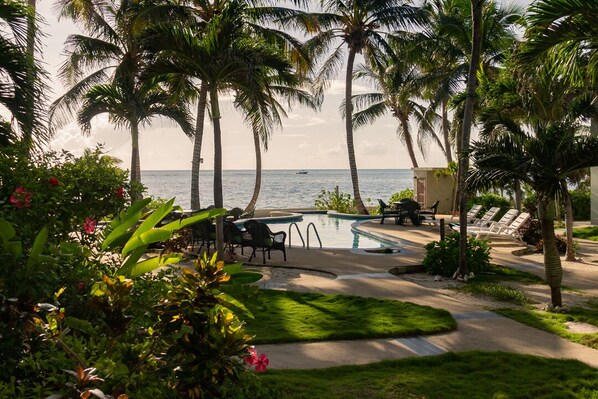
(315, 231)
(298, 231)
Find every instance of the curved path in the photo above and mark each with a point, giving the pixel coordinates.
(478, 329)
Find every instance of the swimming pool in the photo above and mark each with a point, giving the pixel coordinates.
(334, 233)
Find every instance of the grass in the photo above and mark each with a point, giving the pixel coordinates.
(452, 375)
(287, 316)
(555, 322)
(496, 291)
(503, 273)
(588, 233)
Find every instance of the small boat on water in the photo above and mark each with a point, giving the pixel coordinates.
(301, 172)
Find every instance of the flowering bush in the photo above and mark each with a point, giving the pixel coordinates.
(59, 191)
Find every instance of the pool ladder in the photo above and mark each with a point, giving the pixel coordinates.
(301, 236)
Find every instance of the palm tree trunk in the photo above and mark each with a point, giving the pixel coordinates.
(476, 15)
(408, 139)
(446, 133)
(518, 194)
(196, 163)
(31, 31)
(218, 200)
(349, 129)
(135, 164)
(552, 260)
(570, 255)
(258, 173)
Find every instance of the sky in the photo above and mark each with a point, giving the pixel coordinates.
(307, 140)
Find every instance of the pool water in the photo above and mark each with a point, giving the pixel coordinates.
(334, 233)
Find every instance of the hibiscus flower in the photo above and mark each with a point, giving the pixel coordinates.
(89, 225)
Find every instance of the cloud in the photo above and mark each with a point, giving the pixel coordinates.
(372, 149)
(298, 120)
(337, 87)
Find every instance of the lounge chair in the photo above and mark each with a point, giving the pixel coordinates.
(263, 238)
(511, 230)
(504, 221)
(482, 222)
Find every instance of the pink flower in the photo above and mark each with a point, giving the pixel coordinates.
(53, 181)
(120, 192)
(21, 198)
(89, 225)
(252, 358)
(262, 363)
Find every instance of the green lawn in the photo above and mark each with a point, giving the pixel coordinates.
(555, 322)
(588, 233)
(496, 291)
(501, 273)
(451, 376)
(286, 316)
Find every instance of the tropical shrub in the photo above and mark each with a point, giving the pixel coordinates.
(64, 193)
(442, 257)
(580, 201)
(335, 200)
(406, 193)
(87, 319)
(489, 200)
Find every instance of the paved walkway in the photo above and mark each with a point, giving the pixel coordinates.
(478, 329)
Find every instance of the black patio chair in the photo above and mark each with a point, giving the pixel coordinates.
(430, 212)
(203, 233)
(263, 238)
(234, 237)
(387, 210)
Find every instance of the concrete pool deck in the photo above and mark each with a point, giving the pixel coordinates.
(478, 329)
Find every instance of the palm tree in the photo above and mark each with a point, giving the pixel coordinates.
(395, 79)
(532, 133)
(362, 26)
(444, 47)
(225, 58)
(464, 137)
(263, 111)
(563, 34)
(132, 105)
(259, 13)
(104, 72)
(20, 83)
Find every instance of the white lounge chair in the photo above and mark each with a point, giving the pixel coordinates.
(512, 230)
(503, 222)
(473, 213)
(482, 222)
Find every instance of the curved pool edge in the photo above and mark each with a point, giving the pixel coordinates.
(385, 239)
(353, 216)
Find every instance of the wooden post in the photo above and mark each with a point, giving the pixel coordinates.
(442, 230)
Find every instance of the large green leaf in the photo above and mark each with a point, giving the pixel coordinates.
(228, 301)
(125, 269)
(151, 264)
(149, 237)
(15, 248)
(179, 224)
(134, 209)
(38, 247)
(130, 219)
(154, 218)
(7, 232)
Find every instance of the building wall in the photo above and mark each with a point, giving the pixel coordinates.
(440, 188)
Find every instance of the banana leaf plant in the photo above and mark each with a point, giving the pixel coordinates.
(132, 238)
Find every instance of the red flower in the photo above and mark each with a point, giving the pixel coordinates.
(81, 285)
(120, 192)
(252, 358)
(53, 181)
(21, 198)
(262, 363)
(89, 225)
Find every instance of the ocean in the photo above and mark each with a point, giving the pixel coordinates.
(280, 188)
